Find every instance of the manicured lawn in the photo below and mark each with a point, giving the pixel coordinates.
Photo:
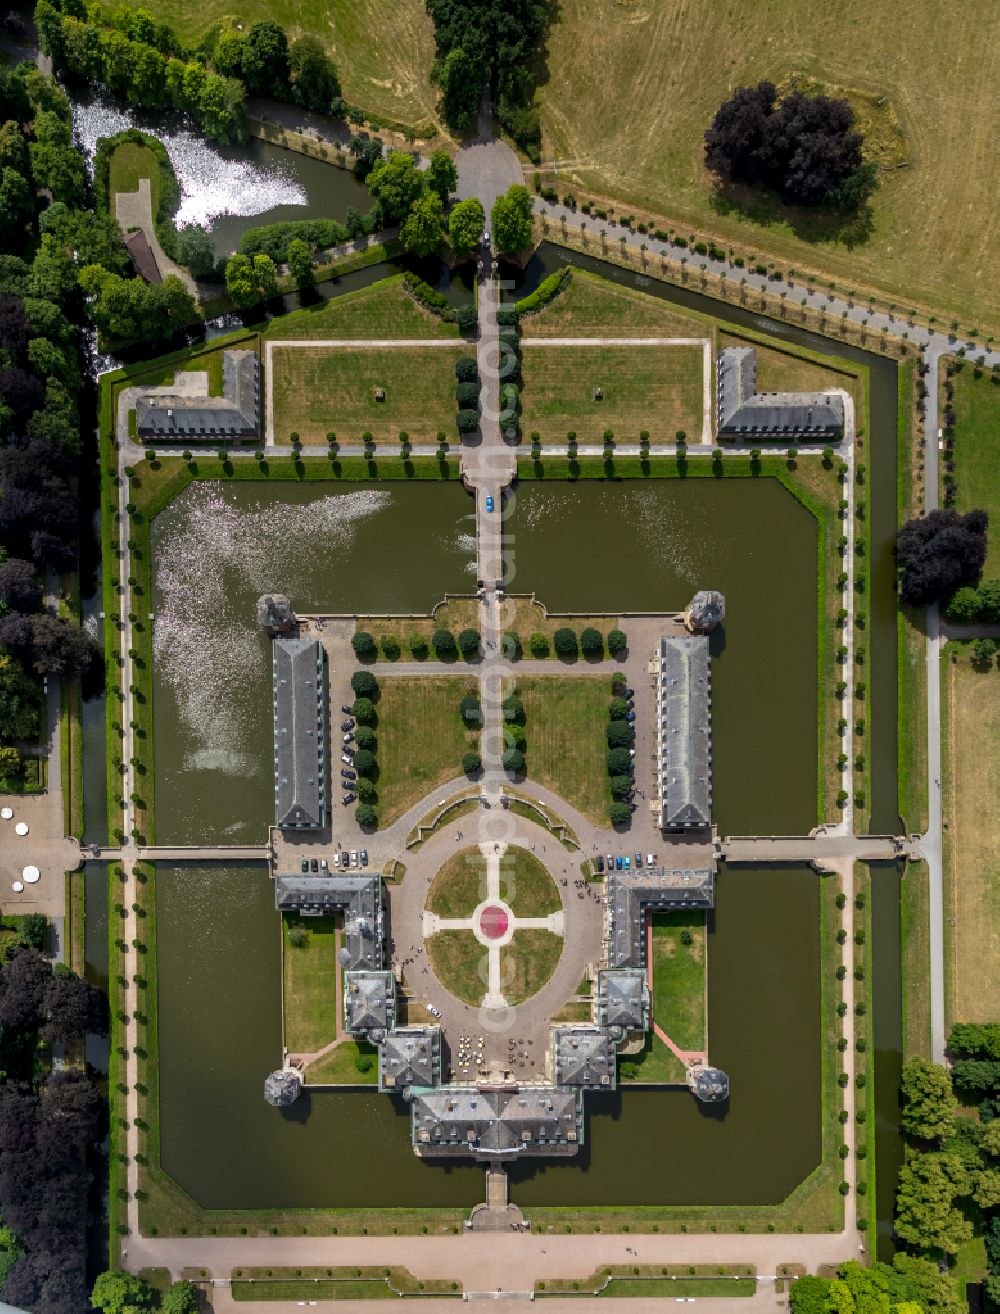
(656, 1065)
(565, 719)
(339, 1067)
(667, 1289)
(590, 306)
(318, 390)
(130, 162)
(977, 453)
(456, 615)
(460, 885)
(653, 388)
(384, 49)
(679, 977)
(660, 1280)
(971, 742)
(384, 310)
(421, 739)
(310, 984)
(526, 885)
(528, 962)
(459, 962)
(917, 962)
(630, 91)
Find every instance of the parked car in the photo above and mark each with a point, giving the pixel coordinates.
(650, 859)
(347, 773)
(350, 735)
(348, 760)
(336, 861)
(305, 864)
(354, 857)
(313, 864)
(348, 711)
(618, 863)
(434, 1010)
(364, 857)
(486, 237)
(323, 865)
(348, 798)
(628, 860)
(638, 861)
(489, 501)
(611, 862)
(599, 863)
(347, 784)
(630, 716)
(347, 725)
(629, 693)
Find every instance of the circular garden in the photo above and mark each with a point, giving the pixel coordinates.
(528, 954)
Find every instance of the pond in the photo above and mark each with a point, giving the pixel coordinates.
(648, 546)
(216, 548)
(219, 1034)
(229, 188)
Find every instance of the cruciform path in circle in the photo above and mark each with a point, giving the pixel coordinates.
(493, 922)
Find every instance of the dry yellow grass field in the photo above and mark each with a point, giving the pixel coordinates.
(972, 810)
(632, 85)
(383, 49)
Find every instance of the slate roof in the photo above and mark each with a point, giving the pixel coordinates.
(584, 1056)
(369, 1002)
(631, 893)
(299, 700)
(282, 1088)
(496, 1124)
(710, 1085)
(623, 999)
(705, 610)
(141, 253)
(684, 732)
(236, 414)
(410, 1056)
(274, 611)
(359, 898)
(745, 413)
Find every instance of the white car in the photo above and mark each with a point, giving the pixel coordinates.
(486, 237)
(336, 861)
(354, 857)
(433, 1010)
(650, 859)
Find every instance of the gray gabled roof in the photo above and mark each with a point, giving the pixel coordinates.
(369, 1001)
(236, 414)
(299, 684)
(684, 732)
(743, 412)
(631, 893)
(410, 1056)
(622, 998)
(584, 1056)
(507, 1123)
(359, 898)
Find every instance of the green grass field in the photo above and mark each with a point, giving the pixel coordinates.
(130, 162)
(528, 962)
(565, 719)
(384, 310)
(459, 962)
(679, 978)
(655, 1064)
(340, 1068)
(421, 739)
(383, 49)
(977, 453)
(631, 87)
(655, 388)
(525, 885)
(310, 984)
(318, 390)
(590, 306)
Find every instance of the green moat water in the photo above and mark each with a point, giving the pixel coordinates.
(220, 1032)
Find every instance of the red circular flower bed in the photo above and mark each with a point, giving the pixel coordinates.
(493, 923)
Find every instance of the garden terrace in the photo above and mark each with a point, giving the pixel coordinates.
(352, 389)
(588, 389)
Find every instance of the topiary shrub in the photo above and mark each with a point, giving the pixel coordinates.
(364, 737)
(513, 761)
(619, 813)
(468, 642)
(591, 642)
(467, 421)
(390, 647)
(366, 816)
(466, 369)
(443, 643)
(617, 642)
(539, 645)
(418, 646)
(364, 684)
(564, 641)
(364, 646)
(620, 734)
(364, 762)
(364, 711)
(471, 709)
(471, 763)
(467, 394)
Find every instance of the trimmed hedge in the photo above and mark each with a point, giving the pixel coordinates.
(437, 303)
(273, 239)
(467, 394)
(466, 369)
(547, 290)
(467, 421)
